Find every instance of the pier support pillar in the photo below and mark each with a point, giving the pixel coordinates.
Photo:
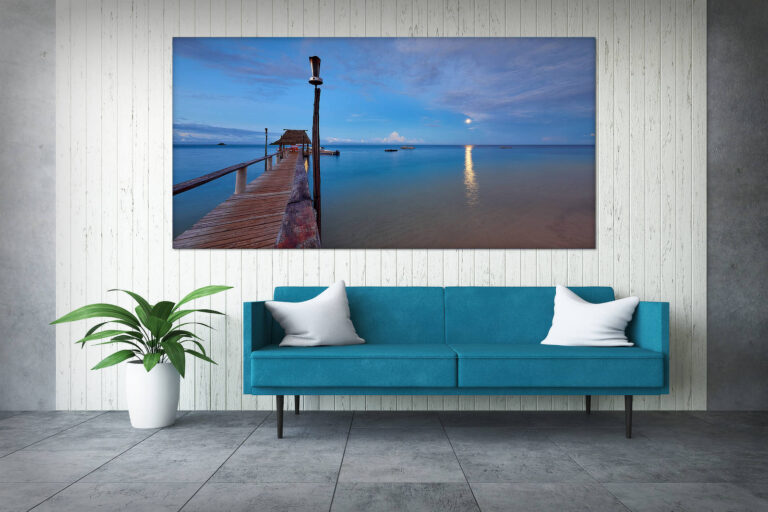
(241, 179)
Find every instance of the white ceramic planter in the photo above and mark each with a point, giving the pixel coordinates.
(153, 397)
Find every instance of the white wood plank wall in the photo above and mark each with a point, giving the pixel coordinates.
(114, 172)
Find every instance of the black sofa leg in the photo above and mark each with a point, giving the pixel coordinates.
(628, 415)
(588, 403)
(296, 403)
(280, 403)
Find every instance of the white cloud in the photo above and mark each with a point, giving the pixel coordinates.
(393, 137)
(340, 140)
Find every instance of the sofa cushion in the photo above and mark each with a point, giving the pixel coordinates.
(369, 365)
(321, 320)
(515, 365)
(505, 315)
(384, 314)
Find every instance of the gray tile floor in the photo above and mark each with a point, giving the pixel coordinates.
(364, 461)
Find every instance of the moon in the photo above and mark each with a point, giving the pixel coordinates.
(467, 121)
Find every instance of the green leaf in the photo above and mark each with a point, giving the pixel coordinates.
(200, 345)
(201, 292)
(95, 327)
(163, 309)
(175, 353)
(183, 333)
(158, 327)
(177, 338)
(130, 336)
(150, 360)
(100, 310)
(139, 343)
(138, 336)
(185, 312)
(142, 314)
(117, 357)
(99, 335)
(141, 301)
(195, 323)
(201, 356)
(133, 325)
(167, 326)
(115, 340)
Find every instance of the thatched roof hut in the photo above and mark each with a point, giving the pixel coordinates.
(292, 137)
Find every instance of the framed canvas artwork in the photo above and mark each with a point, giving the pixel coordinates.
(384, 143)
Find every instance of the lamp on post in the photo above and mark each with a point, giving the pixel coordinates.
(314, 63)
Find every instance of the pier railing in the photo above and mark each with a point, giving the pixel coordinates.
(241, 179)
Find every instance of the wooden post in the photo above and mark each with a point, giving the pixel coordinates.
(269, 163)
(266, 145)
(316, 160)
(241, 179)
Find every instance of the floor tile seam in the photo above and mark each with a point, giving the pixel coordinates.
(253, 482)
(466, 480)
(341, 464)
(225, 461)
(706, 421)
(597, 484)
(617, 498)
(737, 486)
(532, 429)
(94, 470)
(404, 427)
(55, 434)
(568, 454)
(684, 508)
(666, 482)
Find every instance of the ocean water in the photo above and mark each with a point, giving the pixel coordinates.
(428, 197)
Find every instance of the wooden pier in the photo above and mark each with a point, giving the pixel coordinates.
(274, 210)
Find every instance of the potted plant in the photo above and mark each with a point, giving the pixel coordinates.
(157, 343)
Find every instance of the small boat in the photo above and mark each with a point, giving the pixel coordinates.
(389, 150)
(407, 147)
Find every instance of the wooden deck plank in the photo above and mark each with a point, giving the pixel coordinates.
(220, 230)
(251, 219)
(256, 236)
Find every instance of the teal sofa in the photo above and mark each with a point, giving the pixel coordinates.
(455, 341)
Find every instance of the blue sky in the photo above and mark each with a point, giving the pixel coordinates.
(387, 91)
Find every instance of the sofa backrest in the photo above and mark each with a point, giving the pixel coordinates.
(382, 314)
(506, 315)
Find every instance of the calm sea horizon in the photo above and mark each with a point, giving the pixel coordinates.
(434, 196)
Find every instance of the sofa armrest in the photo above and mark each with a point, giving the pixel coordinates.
(649, 327)
(256, 333)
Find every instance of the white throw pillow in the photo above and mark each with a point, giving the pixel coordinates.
(323, 320)
(581, 323)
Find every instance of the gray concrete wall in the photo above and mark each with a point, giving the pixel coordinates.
(27, 164)
(737, 209)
